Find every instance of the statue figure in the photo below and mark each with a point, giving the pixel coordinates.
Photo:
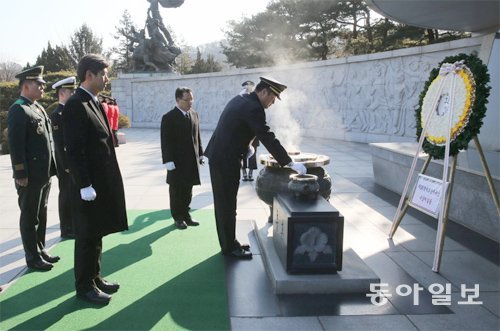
(157, 51)
(141, 53)
(154, 13)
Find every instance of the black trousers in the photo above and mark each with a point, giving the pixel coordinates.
(181, 194)
(225, 185)
(88, 252)
(32, 201)
(67, 196)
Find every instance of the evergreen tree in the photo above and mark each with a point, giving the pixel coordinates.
(202, 66)
(55, 59)
(83, 42)
(124, 48)
(297, 30)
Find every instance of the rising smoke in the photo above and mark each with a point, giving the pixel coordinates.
(282, 121)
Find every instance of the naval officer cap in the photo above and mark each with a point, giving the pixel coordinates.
(34, 73)
(69, 82)
(275, 86)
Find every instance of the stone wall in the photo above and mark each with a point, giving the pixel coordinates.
(366, 98)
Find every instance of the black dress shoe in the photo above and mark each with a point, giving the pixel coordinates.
(181, 225)
(50, 258)
(239, 253)
(191, 222)
(107, 287)
(40, 265)
(245, 247)
(95, 296)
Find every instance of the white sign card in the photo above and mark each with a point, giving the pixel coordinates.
(427, 195)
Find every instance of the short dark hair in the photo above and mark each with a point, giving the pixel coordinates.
(179, 92)
(262, 85)
(27, 81)
(92, 62)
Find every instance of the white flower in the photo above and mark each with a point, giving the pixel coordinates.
(313, 242)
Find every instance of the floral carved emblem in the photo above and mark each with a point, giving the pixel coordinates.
(312, 243)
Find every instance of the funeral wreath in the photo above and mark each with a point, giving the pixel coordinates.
(458, 85)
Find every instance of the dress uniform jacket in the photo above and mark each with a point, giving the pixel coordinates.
(67, 192)
(92, 161)
(242, 120)
(30, 142)
(56, 119)
(181, 144)
(32, 156)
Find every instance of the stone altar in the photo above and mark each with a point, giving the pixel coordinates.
(308, 235)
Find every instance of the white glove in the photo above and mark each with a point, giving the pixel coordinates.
(170, 165)
(298, 167)
(251, 151)
(88, 193)
(202, 160)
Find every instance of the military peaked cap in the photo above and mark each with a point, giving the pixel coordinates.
(69, 82)
(34, 73)
(275, 86)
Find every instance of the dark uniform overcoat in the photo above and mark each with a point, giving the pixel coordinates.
(67, 192)
(92, 161)
(242, 120)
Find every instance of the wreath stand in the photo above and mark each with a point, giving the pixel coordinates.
(446, 183)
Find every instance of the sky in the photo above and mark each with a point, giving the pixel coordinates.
(26, 26)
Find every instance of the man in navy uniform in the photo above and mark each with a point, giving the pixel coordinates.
(64, 90)
(182, 154)
(242, 121)
(94, 167)
(32, 156)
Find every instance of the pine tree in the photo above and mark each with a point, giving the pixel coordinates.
(83, 42)
(124, 49)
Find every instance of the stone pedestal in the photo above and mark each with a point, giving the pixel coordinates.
(308, 234)
(122, 138)
(355, 276)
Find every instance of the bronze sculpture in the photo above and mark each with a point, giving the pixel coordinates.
(156, 51)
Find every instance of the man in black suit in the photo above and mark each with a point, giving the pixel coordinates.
(182, 154)
(64, 90)
(33, 164)
(94, 168)
(242, 121)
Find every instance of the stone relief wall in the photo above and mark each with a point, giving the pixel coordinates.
(366, 98)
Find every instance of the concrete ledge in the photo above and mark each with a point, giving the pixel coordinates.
(472, 204)
(122, 138)
(355, 276)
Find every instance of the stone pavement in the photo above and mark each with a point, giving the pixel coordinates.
(404, 262)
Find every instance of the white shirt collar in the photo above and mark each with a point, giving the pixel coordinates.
(184, 113)
(90, 93)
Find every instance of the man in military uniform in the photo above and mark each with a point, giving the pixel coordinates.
(242, 120)
(32, 156)
(64, 89)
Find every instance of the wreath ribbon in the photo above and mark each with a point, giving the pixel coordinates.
(447, 68)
